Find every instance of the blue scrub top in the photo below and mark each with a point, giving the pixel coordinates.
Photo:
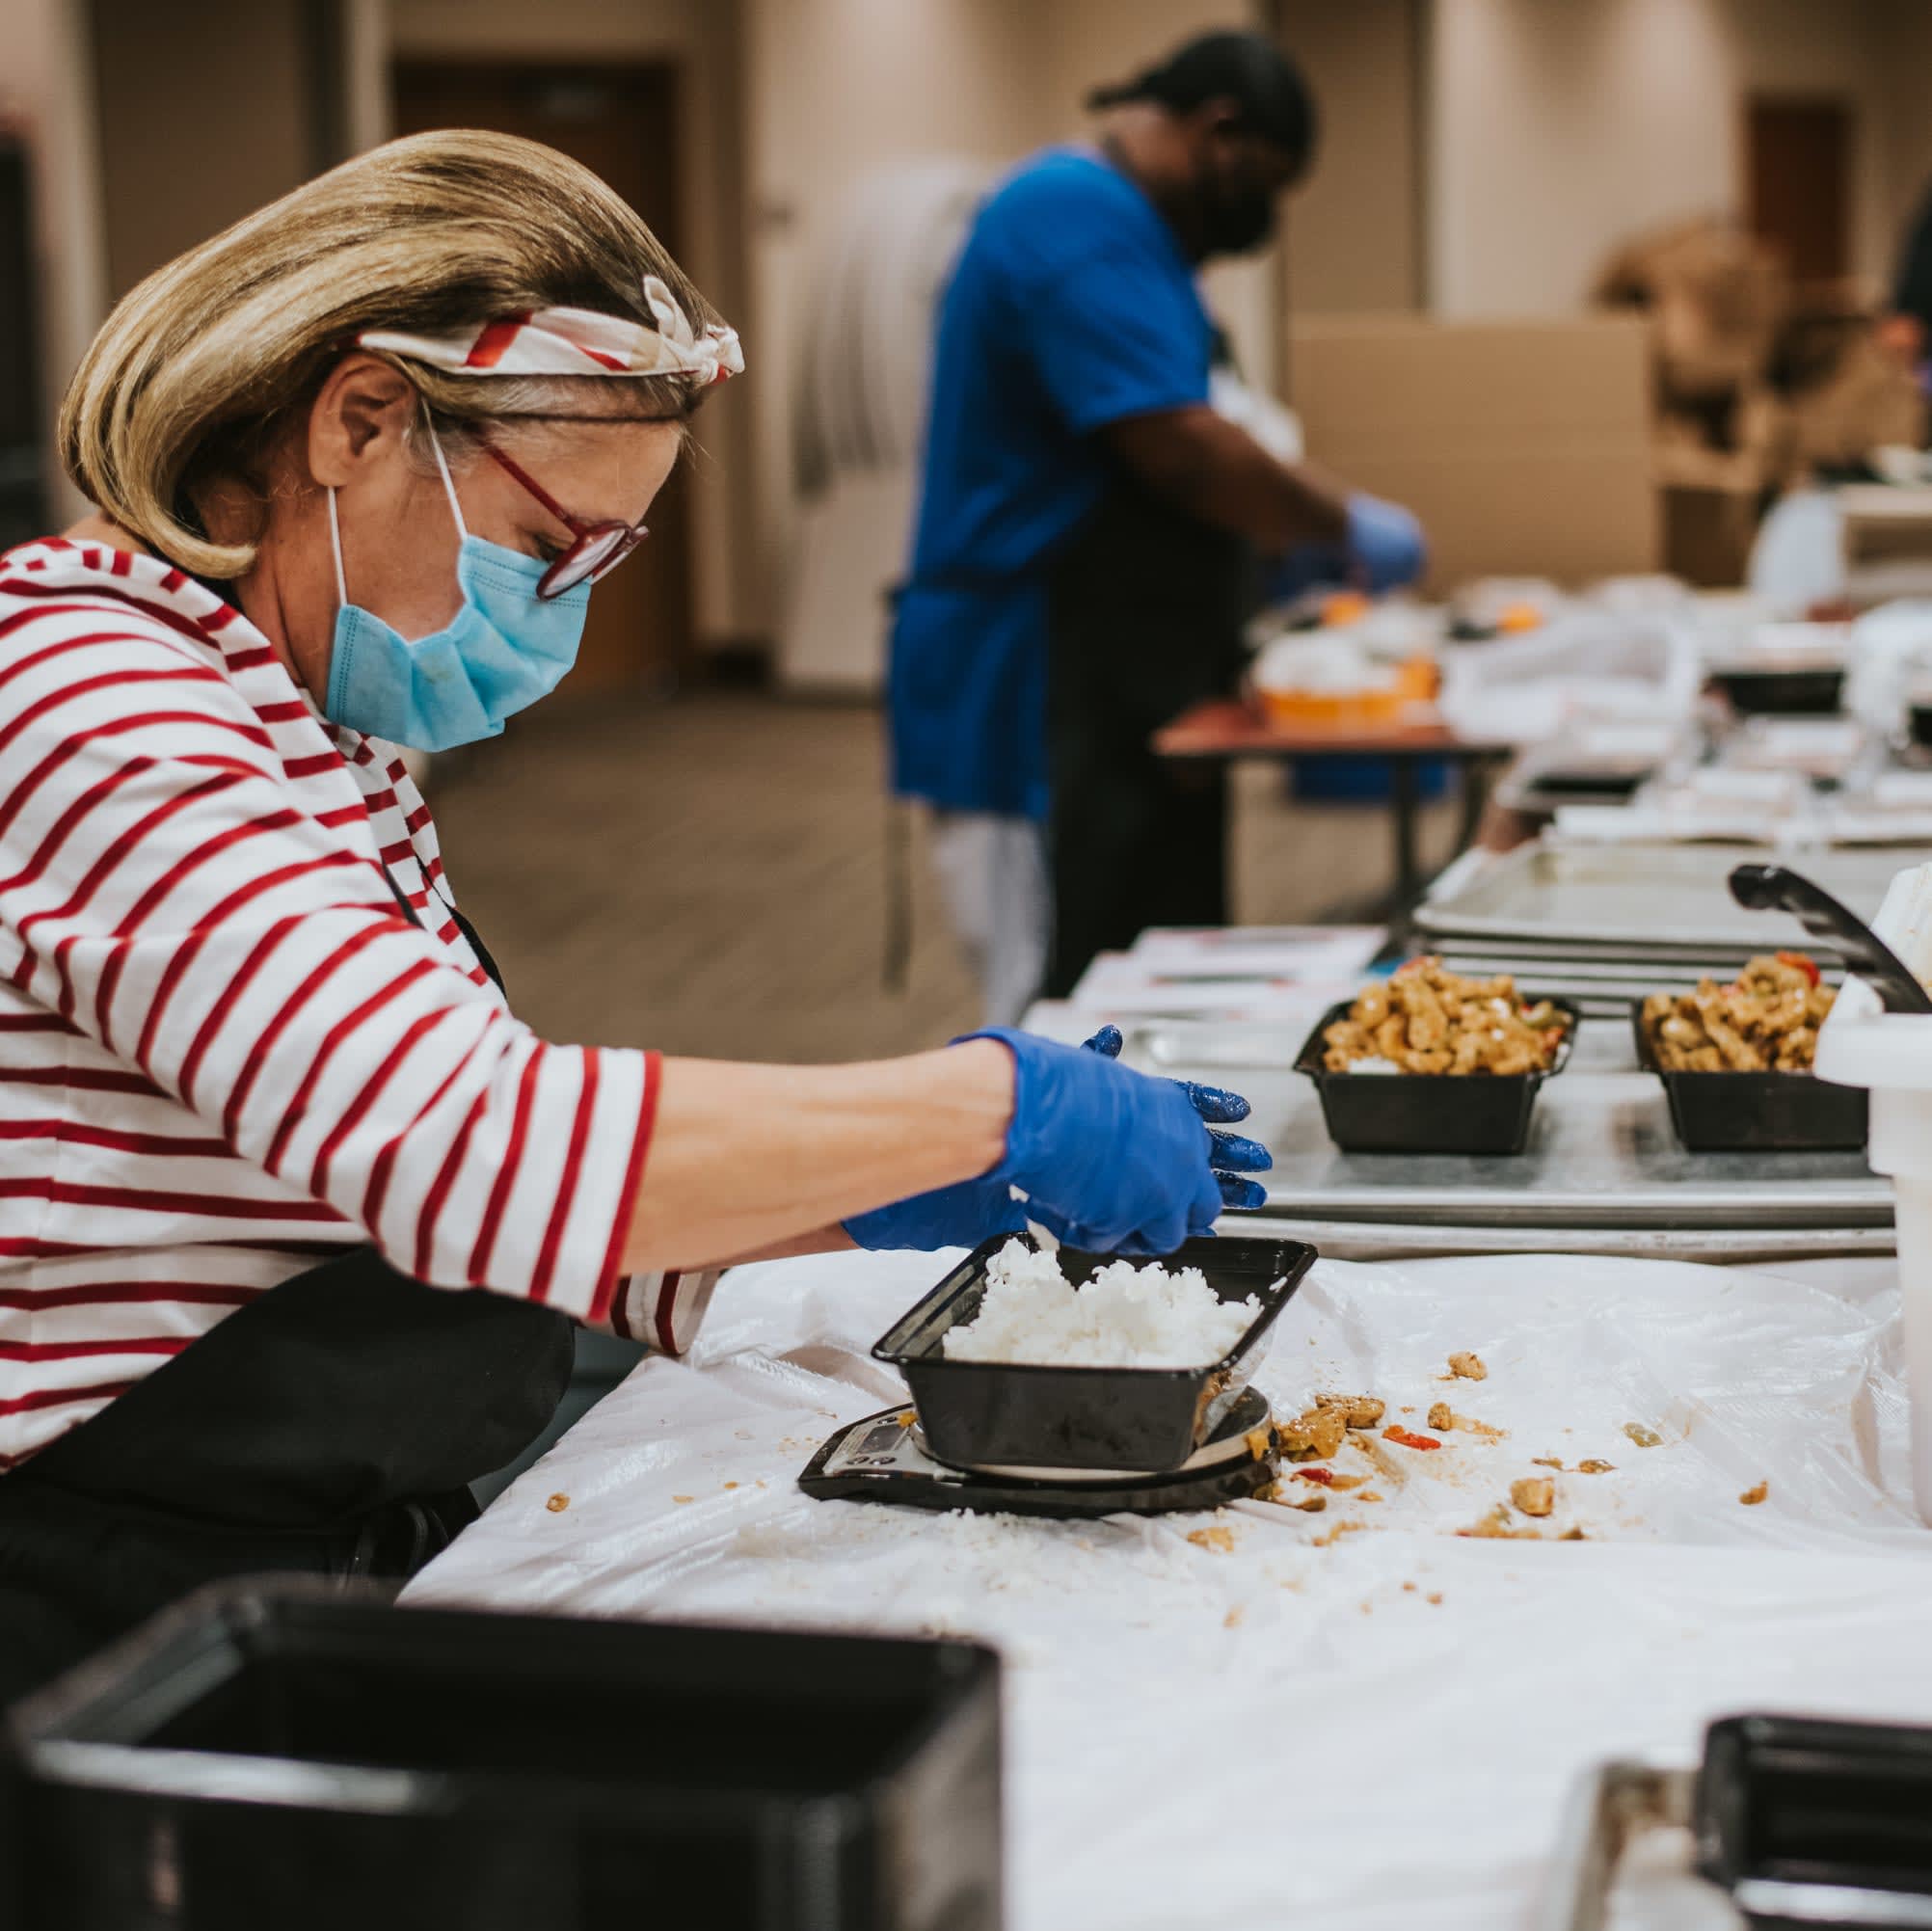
(1071, 307)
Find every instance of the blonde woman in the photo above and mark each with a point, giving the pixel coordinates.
(262, 1104)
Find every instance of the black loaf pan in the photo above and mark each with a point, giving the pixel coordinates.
(979, 1414)
(1757, 1113)
(1427, 1112)
(277, 1756)
(1815, 692)
(1814, 1822)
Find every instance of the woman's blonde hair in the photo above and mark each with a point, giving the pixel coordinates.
(200, 369)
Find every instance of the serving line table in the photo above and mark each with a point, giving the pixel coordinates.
(1225, 730)
(1355, 1711)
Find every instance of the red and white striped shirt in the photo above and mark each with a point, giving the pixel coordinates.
(223, 1052)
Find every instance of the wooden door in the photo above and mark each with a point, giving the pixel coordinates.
(620, 121)
(1798, 156)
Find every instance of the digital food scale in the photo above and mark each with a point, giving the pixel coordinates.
(886, 1459)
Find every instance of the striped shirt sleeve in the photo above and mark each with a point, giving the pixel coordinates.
(661, 1310)
(163, 890)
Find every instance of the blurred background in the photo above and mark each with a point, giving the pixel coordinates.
(1587, 285)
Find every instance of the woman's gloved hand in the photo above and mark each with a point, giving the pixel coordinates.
(1111, 1161)
(1387, 546)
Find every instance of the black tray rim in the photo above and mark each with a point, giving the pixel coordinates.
(1307, 1060)
(1274, 1299)
(37, 1744)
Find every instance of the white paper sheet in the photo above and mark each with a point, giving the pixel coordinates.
(1198, 1738)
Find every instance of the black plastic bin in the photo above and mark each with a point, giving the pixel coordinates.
(1810, 1821)
(980, 1414)
(1757, 1113)
(1427, 1112)
(275, 1756)
(1814, 691)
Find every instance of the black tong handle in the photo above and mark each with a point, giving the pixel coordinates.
(1764, 888)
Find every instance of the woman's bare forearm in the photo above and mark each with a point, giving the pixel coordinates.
(747, 1160)
(832, 1239)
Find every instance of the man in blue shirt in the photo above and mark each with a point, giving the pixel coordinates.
(1089, 522)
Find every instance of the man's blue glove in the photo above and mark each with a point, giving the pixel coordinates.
(1386, 549)
(1045, 1094)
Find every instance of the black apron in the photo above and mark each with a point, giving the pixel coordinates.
(330, 1426)
(1146, 612)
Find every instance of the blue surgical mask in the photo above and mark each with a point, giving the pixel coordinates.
(504, 649)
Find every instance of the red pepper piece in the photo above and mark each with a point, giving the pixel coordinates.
(1323, 1478)
(1405, 1438)
(1808, 966)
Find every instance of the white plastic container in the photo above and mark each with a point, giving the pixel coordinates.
(1890, 1053)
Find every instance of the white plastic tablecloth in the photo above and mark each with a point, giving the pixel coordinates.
(1198, 1736)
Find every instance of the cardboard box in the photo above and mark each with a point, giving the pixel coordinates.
(1718, 296)
(1524, 446)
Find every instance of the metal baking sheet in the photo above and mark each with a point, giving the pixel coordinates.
(1653, 896)
(1602, 1152)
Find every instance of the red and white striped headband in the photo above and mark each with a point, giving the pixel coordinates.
(576, 341)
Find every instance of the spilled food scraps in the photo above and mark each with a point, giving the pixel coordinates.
(1533, 1494)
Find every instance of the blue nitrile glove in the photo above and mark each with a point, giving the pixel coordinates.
(1386, 544)
(972, 1210)
(1230, 1154)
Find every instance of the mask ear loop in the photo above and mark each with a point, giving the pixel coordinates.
(448, 484)
(335, 544)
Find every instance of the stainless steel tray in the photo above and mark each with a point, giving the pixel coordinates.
(1601, 984)
(1647, 895)
(1710, 1246)
(1620, 1816)
(1601, 1153)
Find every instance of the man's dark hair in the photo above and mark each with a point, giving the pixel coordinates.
(1264, 85)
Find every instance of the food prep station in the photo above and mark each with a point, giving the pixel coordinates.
(1705, 1329)
(1684, 1292)
(1686, 1282)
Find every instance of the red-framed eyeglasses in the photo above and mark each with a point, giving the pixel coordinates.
(597, 549)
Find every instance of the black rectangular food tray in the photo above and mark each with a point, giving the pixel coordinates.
(979, 1414)
(1783, 693)
(1920, 718)
(273, 1754)
(1427, 1112)
(1757, 1113)
(1791, 1809)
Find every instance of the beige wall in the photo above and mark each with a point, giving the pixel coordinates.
(178, 103)
(1558, 130)
(47, 93)
(1355, 233)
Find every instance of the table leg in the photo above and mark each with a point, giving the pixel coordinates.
(1403, 787)
(1476, 775)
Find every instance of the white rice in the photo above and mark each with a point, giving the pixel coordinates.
(1373, 1063)
(1125, 1317)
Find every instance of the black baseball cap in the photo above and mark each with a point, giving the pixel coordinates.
(1247, 69)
